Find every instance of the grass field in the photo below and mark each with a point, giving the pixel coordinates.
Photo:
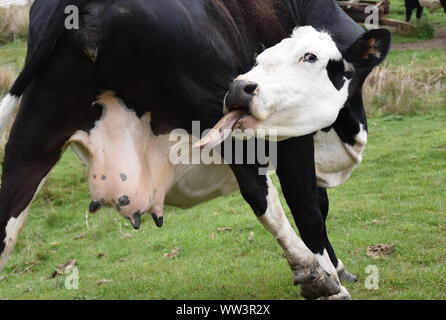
(395, 197)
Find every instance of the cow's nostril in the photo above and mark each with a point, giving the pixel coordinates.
(250, 88)
(240, 94)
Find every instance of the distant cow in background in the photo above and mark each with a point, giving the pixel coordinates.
(420, 4)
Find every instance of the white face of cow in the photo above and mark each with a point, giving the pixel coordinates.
(298, 86)
(293, 92)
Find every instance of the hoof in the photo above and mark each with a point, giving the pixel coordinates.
(346, 276)
(316, 283)
(343, 295)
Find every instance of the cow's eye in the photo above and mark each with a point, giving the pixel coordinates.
(310, 57)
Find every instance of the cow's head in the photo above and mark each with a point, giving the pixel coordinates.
(299, 86)
(129, 167)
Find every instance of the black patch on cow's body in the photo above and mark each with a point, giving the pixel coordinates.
(123, 177)
(103, 177)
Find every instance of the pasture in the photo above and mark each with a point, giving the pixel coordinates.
(219, 250)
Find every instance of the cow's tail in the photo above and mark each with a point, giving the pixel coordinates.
(46, 25)
(8, 106)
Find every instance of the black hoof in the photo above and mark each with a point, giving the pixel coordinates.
(312, 291)
(316, 283)
(346, 276)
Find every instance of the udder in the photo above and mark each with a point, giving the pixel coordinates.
(118, 154)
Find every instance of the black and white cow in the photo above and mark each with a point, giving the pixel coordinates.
(176, 59)
(411, 5)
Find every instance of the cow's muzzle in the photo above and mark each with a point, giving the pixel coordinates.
(237, 108)
(240, 95)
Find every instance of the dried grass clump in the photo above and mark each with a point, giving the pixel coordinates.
(14, 22)
(405, 89)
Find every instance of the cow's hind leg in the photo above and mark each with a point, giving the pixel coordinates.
(343, 274)
(35, 145)
(419, 12)
(51, 111)
(409, 10)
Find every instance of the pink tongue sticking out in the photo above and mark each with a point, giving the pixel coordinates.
(221, 130)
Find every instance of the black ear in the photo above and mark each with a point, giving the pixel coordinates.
(370, 49)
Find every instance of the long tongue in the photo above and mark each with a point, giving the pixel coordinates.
(221, 130)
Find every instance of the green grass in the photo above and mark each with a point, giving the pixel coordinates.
(422, 58)
(13, 55)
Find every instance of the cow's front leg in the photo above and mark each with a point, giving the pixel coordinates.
(263, 198)
(343, 274)
(297, 175)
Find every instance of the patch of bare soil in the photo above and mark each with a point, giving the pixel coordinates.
(438, 43)
(378, 250)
